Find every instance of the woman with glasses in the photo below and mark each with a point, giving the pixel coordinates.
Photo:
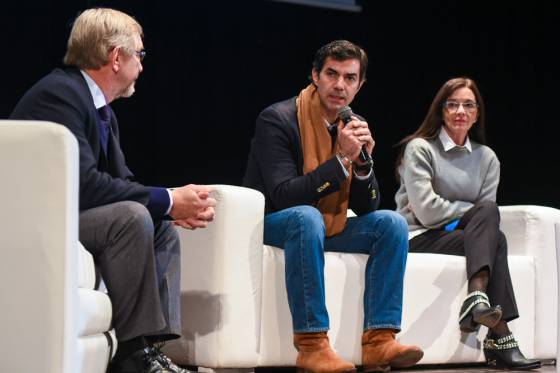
(448, 183)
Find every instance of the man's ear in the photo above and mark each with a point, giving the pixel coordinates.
(115, 59)
(315, 76)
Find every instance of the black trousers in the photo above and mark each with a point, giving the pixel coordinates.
(478, 238)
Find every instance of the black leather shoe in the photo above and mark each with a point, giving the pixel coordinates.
(165, 361)
(504, 353)
(144, 360)
(476, 311)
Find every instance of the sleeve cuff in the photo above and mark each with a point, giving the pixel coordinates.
(365, 177)
(160, 202)
(169, 192)
(346, 174)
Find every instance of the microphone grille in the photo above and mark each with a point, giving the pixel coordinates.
(345, 113)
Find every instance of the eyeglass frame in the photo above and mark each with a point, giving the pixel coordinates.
(471, 108)
(141, 54)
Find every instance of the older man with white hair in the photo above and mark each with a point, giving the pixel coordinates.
(124, 224)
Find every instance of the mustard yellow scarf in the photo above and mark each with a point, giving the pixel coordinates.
(317, 148)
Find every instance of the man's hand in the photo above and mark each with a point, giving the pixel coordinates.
(201, 221)
(192, 206)
(352, 137)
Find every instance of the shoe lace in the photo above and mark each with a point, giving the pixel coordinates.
(151, 361)
(163, 359)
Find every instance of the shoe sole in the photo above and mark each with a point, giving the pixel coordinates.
(376, 368)
(301, 370)
(493, 359)
(404, 360)
(500, 365)
(468, 326)
(490, 320)
(407, 359)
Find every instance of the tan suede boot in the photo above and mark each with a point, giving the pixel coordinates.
(380, 351)
(316, 356)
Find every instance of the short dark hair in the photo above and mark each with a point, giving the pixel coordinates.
(341, 50)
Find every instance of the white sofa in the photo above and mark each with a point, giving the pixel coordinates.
(52, 320)
(235, 311)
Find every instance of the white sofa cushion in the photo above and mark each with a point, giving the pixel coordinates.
(235, 311)
(39, 220)
(95, 312)
(434, 288)
(86, 268)
(92, 352)
(530, 231)
(52, 321)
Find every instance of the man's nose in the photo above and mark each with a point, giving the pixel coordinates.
(339, 83)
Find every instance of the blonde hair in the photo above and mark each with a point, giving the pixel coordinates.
(95, 33)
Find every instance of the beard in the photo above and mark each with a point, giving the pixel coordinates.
(128, 91)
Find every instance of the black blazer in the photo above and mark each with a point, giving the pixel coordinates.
(63, 97)
(275, 167)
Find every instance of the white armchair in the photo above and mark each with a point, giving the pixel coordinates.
(236, 315)
(52, 320)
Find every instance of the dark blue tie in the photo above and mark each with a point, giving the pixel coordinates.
(104, 122)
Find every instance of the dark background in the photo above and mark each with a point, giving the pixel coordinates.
(212, 66)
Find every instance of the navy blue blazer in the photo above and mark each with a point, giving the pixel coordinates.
(63, 97)
(275, 167)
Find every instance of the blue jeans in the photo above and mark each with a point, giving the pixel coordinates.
(383, 235)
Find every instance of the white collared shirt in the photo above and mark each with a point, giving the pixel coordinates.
(100, 101)
(449, 144)
(96, 92)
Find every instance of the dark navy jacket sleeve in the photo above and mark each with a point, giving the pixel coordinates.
(364, 195)
(63, 97)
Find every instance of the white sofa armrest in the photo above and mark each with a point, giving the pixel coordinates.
(530, 231)
(38, 246)
(221, 269)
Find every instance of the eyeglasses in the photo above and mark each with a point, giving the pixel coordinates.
(453, 106)
(140, 54)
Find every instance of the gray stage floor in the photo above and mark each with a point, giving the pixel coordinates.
(479, 369)
(430, 369)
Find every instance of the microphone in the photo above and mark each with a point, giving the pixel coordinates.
(345, 114)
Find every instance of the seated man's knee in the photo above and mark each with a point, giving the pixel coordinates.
(392, 221)
(391, 233)
(307, 216)
(134, 216)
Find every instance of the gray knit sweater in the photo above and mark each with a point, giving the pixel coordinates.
(438, 186)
